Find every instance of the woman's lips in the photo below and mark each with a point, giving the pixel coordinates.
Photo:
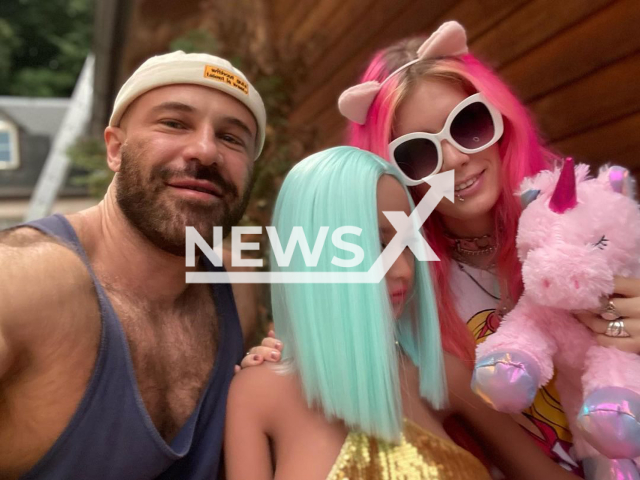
(398, 296)
(474, 188)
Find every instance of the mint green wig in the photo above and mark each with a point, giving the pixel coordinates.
(340, 338)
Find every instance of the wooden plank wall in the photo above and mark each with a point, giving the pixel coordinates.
(154, 24)
(575, 63)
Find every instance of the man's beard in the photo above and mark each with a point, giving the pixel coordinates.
(162, 218)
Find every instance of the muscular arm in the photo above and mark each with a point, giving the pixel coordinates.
(507, 445)
(40, 281)
(246, 445)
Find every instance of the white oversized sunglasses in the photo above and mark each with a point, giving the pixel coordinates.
(472, 126)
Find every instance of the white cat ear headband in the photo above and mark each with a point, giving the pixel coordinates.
(449, 40)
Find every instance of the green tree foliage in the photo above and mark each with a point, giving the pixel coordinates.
(43, 44)
(88, 155)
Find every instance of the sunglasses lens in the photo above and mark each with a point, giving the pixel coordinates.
(473, 126)
(417, 158)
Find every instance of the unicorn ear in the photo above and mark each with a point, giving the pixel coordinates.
(354, 102)
(448, 41)
(619, 179)
(527, 197)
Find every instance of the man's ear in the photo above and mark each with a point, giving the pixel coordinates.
(114, 138)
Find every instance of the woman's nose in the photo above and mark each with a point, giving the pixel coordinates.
(452, 157)
(402, 269)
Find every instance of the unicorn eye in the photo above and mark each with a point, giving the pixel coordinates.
(601, 243)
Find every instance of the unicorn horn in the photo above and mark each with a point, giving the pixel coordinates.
(564, 196)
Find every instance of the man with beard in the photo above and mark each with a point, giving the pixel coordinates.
(111, 366)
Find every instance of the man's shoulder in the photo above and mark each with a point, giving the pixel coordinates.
(46, 292)
(39, 270)
(24, 236)
(29, 244)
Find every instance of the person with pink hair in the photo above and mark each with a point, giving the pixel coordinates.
(427, 105)
(411, 91)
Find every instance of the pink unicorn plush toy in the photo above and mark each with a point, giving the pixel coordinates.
(574, 236)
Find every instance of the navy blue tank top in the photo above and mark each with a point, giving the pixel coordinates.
(111, 435)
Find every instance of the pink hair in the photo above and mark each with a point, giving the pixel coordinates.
(520, 150)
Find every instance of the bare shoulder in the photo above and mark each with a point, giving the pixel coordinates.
(23, 237)
(265, 391)
(34, 261)
(266, 380)
(40, 278)
(28, 244)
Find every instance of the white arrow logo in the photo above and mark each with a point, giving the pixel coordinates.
(407, 235)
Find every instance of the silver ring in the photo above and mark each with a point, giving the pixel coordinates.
(616, 329)
(609, 312)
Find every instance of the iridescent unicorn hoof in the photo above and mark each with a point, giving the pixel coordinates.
(610, 421)
(508, 381)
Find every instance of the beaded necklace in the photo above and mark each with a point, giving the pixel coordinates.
(474, 252)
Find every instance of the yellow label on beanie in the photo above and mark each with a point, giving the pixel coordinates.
(221, 75)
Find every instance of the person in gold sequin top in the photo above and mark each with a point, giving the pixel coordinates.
(348, 401)
(420, 455)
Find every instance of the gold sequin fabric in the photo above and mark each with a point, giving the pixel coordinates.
(420, 455)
